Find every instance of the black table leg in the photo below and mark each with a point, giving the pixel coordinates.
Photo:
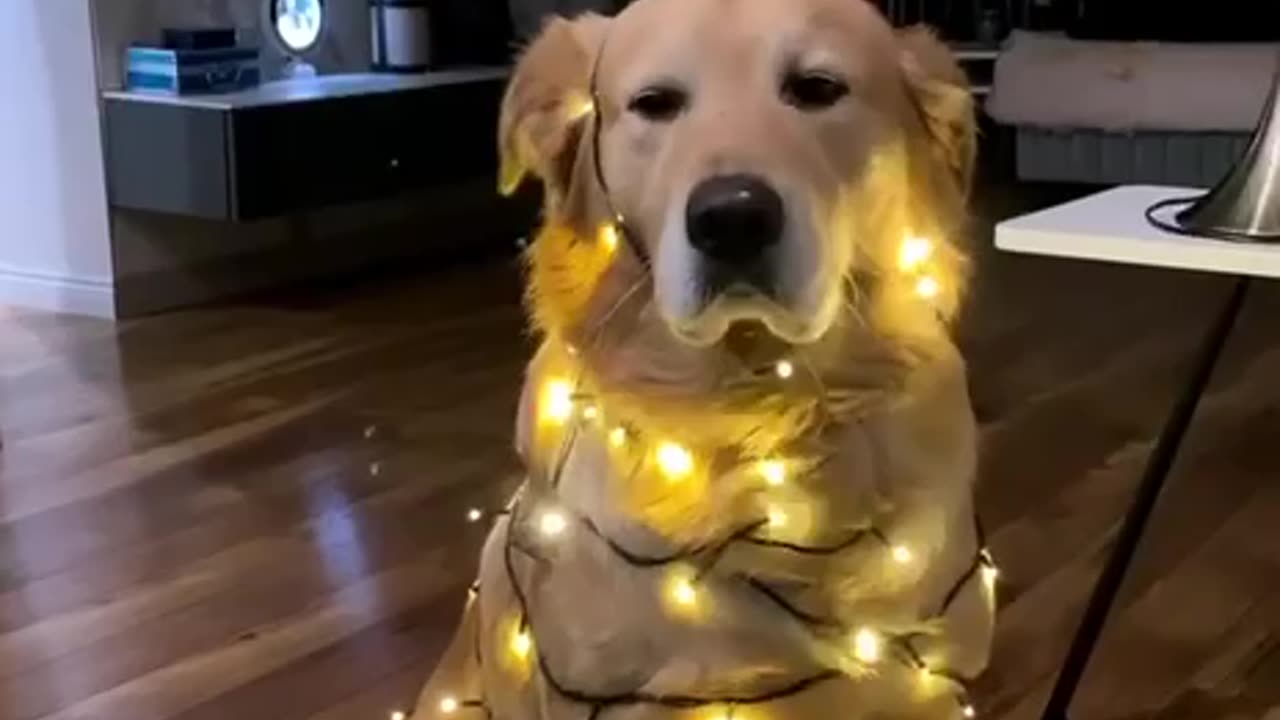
(1144, 501)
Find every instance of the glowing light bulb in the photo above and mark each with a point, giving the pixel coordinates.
(681, 594)
(398, 715)
(375, 469)
(777, 518)
(915, 251)
(928, 288)
(552, 523)
(969, 711)
(618, 437)
(370, 431)
(684, 593)
(475, 515)
(591, 412)
(609, 236)
(867, 646)
(902, 554)
(557, 402)
(774, 472)
(674, 461)
(449, 705)
(521, 643)
(785, 369)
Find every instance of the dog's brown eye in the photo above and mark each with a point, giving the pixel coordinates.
(813, 91)
(659, 104)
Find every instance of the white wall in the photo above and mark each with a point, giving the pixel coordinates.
(55, 249)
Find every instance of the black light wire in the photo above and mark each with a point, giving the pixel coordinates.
(1153, 217)
(600, 703)
(597, 160)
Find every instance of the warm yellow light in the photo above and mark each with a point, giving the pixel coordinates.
(969, 711)
(475, 515)
(684, 593)
(557, 402)
(867, 646)
(370, 431)
(902, 554)
(552, 523)
(928, 288)
(591, 412)
(674, 461)
(785, 369)
(990, 574)
(521, 643)
(375, 469)
(398, 715)
(609, 237)
(774, 472)
(579, 107)
(449, 705)
(915, 251)
(777, 518)
(618, 437)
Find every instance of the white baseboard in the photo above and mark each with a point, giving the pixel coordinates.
(53, 293)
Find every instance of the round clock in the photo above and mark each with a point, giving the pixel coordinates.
(297, 23)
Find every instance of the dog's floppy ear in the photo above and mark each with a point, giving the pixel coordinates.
(547, 106)
(941, 91)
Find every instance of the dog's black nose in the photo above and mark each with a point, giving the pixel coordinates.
(734, 218)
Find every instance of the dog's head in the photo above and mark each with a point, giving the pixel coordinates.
(769, 158)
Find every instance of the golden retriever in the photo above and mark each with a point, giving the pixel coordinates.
(749, 442)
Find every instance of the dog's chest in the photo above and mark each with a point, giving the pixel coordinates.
(874, 535)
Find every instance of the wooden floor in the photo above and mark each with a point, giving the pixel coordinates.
(256, 511)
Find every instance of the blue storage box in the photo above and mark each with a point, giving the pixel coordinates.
(178, 71)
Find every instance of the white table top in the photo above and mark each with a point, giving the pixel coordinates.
(1112, 227)
(315, 88)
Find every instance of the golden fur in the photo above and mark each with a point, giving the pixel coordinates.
(595, 298)
(879, 406)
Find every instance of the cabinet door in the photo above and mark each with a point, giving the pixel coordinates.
(301, 156)
(440, 135)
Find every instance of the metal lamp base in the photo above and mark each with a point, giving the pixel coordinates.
(1245, 205)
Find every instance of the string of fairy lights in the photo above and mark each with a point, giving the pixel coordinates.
(562, 405)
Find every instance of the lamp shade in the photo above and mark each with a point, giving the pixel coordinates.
(1245, 205)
